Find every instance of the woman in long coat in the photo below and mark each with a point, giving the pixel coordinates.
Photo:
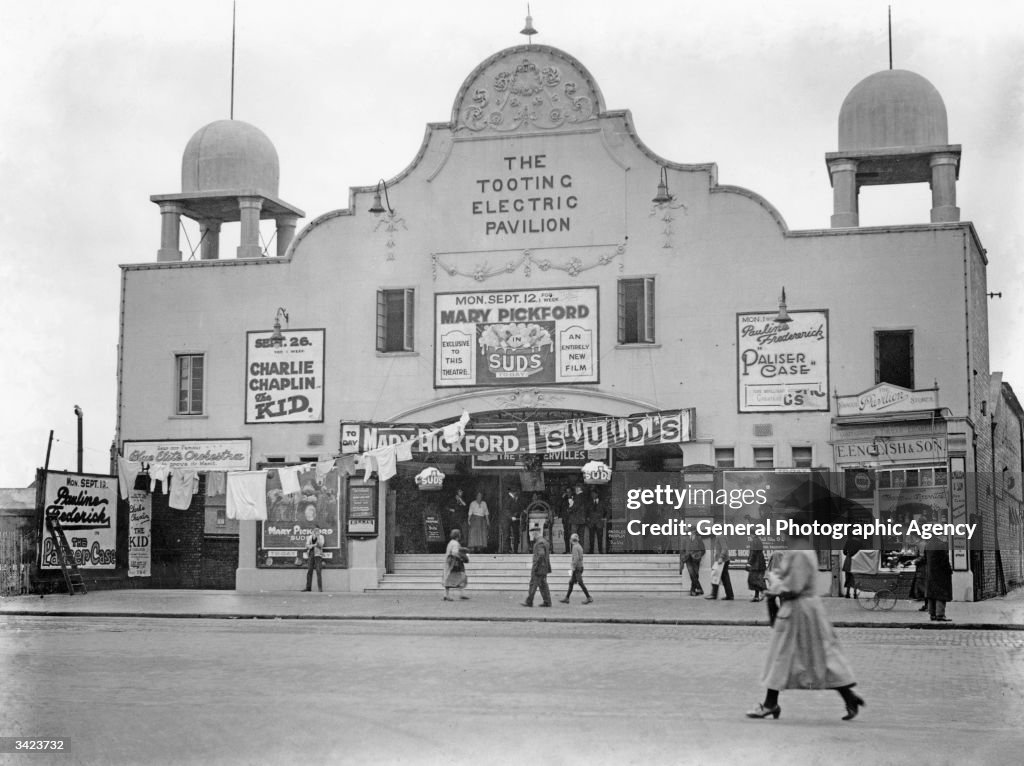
(756, 567)
(454, 567)
(804, 652)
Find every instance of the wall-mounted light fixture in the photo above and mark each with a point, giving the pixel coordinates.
(377, 208)
(783, 316)
(662, 196)
(277, 336)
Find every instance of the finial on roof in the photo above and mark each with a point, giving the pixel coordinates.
(528, 30)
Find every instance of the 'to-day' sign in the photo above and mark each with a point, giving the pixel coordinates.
(284, 379)
(516, 337)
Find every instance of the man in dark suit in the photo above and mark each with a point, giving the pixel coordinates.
(511, 518)
(595, 520)
(540, 570)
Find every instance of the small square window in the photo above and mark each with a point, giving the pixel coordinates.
(802, 457)
(764, 457)
(725, 457)
(395, 320)
(636, 310)
(190, 381)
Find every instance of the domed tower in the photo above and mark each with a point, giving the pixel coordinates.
(892, 130)
(229, 172)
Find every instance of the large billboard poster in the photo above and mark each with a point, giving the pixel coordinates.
(782, 367)
(291, 517)
(516, 337)
(86, 507)
(284, 378)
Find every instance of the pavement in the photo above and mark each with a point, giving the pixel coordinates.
(1003, 613)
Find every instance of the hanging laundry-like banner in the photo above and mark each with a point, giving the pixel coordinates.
(539, 437)
(284, 378)
(516, 337)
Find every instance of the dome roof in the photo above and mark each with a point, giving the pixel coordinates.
(892, 108)
(230, 156)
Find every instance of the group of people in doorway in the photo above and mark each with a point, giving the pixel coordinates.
(582, 510)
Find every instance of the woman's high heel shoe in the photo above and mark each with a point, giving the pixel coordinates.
(763, 712)
(853, 709)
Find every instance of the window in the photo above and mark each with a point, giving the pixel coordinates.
(802, 457)
(394, 320)
(190, 383)
(636, 310)
(894, 357)
(764, 457)
(725, 457)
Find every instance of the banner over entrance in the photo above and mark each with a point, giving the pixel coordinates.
(538, 437)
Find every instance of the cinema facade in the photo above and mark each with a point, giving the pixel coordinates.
(538, 268)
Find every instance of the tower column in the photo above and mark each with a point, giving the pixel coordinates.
(845, 210)
(170, 226)
(285, 232)
(249, 212)
(943, 185)
(210, 235)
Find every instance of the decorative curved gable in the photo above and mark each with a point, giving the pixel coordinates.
(526, 89)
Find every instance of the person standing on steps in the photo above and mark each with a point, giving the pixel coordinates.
(576, 575)
(540, 570)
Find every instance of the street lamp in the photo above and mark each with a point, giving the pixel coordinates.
(78, 414)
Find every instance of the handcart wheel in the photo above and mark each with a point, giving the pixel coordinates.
(867, 601)
(886, 600)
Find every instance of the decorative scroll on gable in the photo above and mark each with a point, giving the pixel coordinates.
(526, 89)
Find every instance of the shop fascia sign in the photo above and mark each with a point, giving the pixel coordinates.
(537, 437)
(886, 398)
(891, 449)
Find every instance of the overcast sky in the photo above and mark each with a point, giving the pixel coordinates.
(99, 99)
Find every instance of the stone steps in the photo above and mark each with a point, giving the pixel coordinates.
(615, 573)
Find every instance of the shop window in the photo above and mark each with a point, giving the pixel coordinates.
(636, 310)
(764, 457)
(803, 457)
(395, 320)
(725, 457)
(189, 368)
(894, 357)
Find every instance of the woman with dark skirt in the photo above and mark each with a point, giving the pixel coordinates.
(804, 652)
(756, 567)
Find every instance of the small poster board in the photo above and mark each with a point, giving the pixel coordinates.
(433, 530)
(361, 509)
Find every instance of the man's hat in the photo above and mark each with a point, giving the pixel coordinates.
(575, 537)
